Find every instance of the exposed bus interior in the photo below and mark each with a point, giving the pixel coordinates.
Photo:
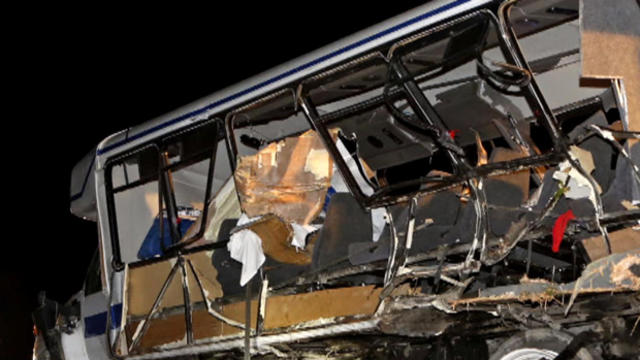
(423, 175)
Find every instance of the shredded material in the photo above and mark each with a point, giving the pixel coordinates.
(245, 246)
(300, 233)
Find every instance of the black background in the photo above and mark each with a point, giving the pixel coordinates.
(76, 75)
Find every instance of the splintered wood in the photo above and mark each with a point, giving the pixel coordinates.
(276, 241)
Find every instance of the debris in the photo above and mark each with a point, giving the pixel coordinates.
(426, 207)
(625, 270)
(577, 186)
(288, 178)
(245, 246)
(612, 273)
(300, 233)
(483, 158)
(378, 221)
(277, 236)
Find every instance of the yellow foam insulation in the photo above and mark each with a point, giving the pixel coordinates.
(288, 178)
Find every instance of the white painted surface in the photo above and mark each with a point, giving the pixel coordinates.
(73, 345)
(93, 304)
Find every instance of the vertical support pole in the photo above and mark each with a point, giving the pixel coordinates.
(160, 204)
(425, 111)
(207, 190)
(313, 117)
(399, 249)
(533, 95)
(247, 320)
(262, 303)
(429, 116)
(393, 251)
(411, 224)
(170, 198)
(188, 315)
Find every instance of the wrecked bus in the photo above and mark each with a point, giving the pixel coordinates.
(440, 185)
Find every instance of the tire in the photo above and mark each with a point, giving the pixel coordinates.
(537, 344)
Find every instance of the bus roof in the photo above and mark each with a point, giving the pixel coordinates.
(288, 72)
(82, 190)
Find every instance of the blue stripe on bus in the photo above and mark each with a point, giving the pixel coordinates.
(95, 325)
(279, 77)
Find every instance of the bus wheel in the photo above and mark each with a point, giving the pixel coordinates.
(538, 344)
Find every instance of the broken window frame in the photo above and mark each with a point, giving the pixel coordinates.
(511, 38)
(462, 177)
(531, 92)
(160, 144)
(423, 272)
(421, 106)
(230, 118)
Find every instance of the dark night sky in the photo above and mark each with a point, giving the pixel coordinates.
(76, 79)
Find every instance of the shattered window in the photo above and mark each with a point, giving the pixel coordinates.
(223, 203)
(549, 36)
(266, 121)
(381, 149)
(474, 96)
(445, 117)
(282, 167)
(135, 197)
(286, 185)
(479, 99)
(159, 192)
(588, 113)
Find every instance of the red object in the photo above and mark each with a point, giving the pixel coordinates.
(559, 227)
(453, 133)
